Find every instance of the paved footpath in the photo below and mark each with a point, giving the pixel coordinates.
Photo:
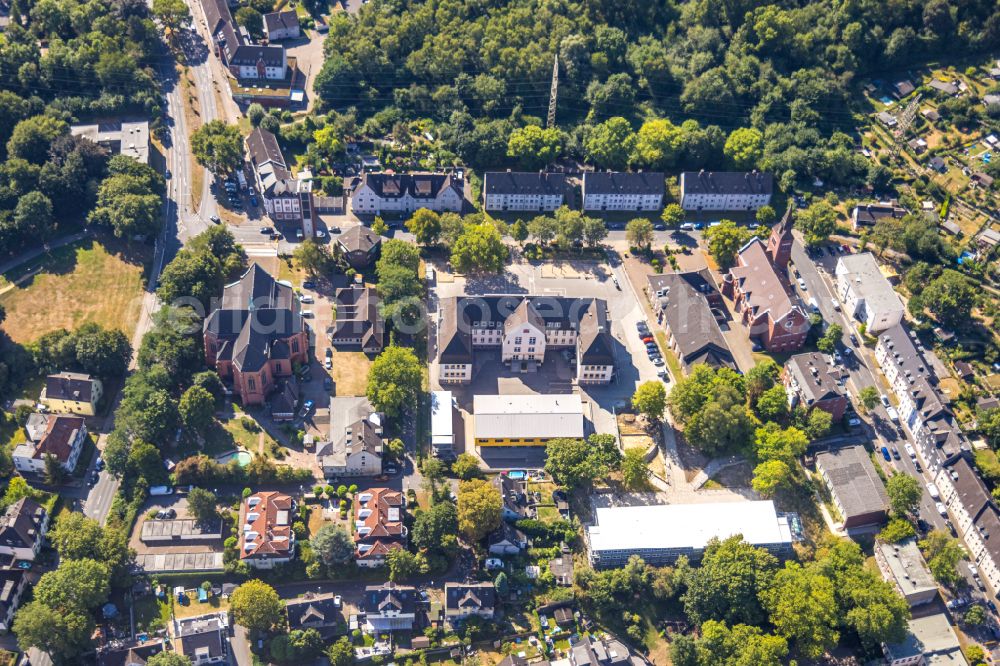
(36, 252)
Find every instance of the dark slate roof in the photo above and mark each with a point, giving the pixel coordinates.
(815, 378)
(586, 314)
(257, 314)
(358, 315)
(379, 599)
(10, 582)
(727, 182)
(281, 20)
(320, 610)
(263, 147)
(854, 480)
(469, 596)
(359, 239)
(623, 182)
(69, 386)
(873, 212)
(21, 524)
(203, 632)
(506, 532)
(128, 655)
(418, 185)
(524, 182)
(688, 314)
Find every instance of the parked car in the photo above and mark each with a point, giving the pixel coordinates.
(266, 230)
(320, 233)
(94, 478)
(687, 226)
(328, 383)
(493, 563)
(99, 463)
(215, 219)
(253, 201)
(391, 469)
(893, 414)
(854, 421)
(885, 399)
(854, 339)
(308, 284)
(657, 360)
(895, 453)
(306, 298)
(941, 509)
(885, 454)
(328, 363)
(916, 466)
(298, 234)
(802, 284)
(910, 451)
(308, 314)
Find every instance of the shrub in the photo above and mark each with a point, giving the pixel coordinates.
(331, 492)
(317, 490)
(341, 490)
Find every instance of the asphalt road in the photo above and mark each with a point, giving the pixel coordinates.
(818, 274)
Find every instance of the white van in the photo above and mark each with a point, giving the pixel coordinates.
(687, 226)
(161, 490)
(813, 305)
(893, 414)
(932, 490)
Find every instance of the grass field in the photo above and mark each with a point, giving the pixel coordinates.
(81, 283)
(350, 373)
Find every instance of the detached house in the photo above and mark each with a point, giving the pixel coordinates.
(286, 199)
(866, 294)
(465, 600)
(22, 530)
(203, 639)
(72, 393)
(524, 328)
(359, 322)
(56, 435)
(506, 540)
(377, 193)
(360, 246)
(282, 25)
(321, 613)
(620, 190)
(133, 653)
(378, 522)
(390, 607)
(355, 445)
(266, 538)
(760, 295)
(866, 215)
(524, 191)
(811, 382)
(725, 190)
(256, 335)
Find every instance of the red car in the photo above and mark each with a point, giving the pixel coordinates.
(647, 338)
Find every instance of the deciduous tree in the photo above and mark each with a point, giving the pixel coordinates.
(479, 509)
(724, 240)
(333, 545)
(256, 606)
(218, 146)
(904, 493)
(394, 379)
(639, 232)
(650, 400)
(425, 225)
(479, 249)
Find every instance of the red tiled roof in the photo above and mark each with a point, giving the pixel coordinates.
(60, 432)
(757, 278)
(384, 522)
(266, 525)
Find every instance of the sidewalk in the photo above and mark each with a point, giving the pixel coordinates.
(38, 251)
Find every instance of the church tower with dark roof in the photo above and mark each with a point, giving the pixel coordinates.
(779, 245)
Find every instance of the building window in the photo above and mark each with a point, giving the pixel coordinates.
(251, 384)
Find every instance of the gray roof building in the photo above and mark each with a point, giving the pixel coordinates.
(728, 182)
(688, 305)
(359, 321)
(318, 612)
(903, 566)
(854, 485)
(930, 641)
(524, 182)
(203, 639)
(813, 382)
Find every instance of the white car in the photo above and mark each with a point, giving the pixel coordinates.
(298, 234)
(493, 563)
(328, 363)
(941, 509)
(320, 233)
(893, 414)
(802, 284)
(885, 399)
(910, 451)
(308, 314)
(305, 298)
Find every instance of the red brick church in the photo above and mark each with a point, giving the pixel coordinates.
(256, 335)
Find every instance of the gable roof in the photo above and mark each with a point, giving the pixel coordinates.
(359, 239)
(321, 610)
(727, 182)
(74, 386)
(624, 182)
(358, 316)
(379, 515)
(814, 378)
(689, 316)
(854, 480)
(131, 654)
(257, 314)
(57, 439)
(417, 185)
(280, 21)
(21, 524)
(389, 597)
(469, 597)
(757, 278)
(201, 635)
(266, 520)
(525, 182)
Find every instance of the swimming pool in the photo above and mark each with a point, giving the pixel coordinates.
(242, 457)
(517, 475)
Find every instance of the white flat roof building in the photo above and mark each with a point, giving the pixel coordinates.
(442, 423)
(930, 641)
(526, 420)
(866, 293)
(663, 532)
